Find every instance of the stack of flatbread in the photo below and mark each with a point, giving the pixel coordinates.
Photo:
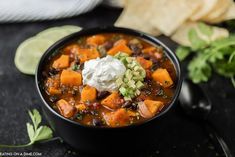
(175, 18)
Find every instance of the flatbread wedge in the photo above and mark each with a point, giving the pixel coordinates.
(134, 16)
(168, 15)
(205, 8)
(220, 8)
(228, 15)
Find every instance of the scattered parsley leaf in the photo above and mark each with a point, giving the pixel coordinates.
(30, 131)
(35, 117)
(36, 132)
(42, 133)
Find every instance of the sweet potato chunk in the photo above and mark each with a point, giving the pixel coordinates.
(71, 49)
(62, 62)
(87, 54)
(88, 94)
(149, 50)
(149, 108)
(66, 109)
(95, 40)
(119, 46)
(53, 85)
(80, 106)
(54, 91)
(113, 101)
(70, 78)
(120, 41)
(162, 77)
(117, 118)
(146, 64)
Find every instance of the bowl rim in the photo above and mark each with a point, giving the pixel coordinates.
(109, 29)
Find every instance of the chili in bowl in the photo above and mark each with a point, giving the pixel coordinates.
(105, 82)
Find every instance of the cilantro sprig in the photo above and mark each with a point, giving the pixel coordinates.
(209, 56)
(36, 132)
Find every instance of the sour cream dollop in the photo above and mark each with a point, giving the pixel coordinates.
(102, 73)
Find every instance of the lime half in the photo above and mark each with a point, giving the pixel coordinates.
(29, 53)
(71, 28)
(56, 33)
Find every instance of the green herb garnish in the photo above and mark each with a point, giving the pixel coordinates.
(209, 55)
(75, 67)
(79, 116)
(36, 132)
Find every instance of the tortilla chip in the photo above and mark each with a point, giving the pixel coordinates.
(228, 15)
(181, 35)
(134, 16)
(220, 8)
(205, 8)
(168, 15)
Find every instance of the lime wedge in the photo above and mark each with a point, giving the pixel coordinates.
(53, 34)
(29, 53)
(71, 28)
(56, 33)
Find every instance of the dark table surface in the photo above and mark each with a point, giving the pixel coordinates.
(182, 136)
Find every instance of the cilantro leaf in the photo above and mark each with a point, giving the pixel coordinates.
(199, 69)
(182, 52)
(216, 55)
(205, 29)
(196, 42)
(224, 68)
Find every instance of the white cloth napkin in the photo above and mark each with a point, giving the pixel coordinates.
(32, 10)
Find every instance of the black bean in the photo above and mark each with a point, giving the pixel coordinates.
(146, 56)
(155, 66)
(44, 74)
(96, 122)
(136, 50)
(74, 92)
(93, 112)
(64, 89)
(53, 98)
(134, 106)
(102, 50)
(136, 42)
(154, 60)
(102, 94)
(81, 66)
(77, 60)
(127, 104)
(53, 71)
(108, 45)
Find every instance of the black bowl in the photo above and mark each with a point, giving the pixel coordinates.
(97, 140)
